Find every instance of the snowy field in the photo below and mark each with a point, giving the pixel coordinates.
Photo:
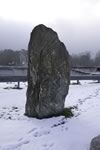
(18, 132)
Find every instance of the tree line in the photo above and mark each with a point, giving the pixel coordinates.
(9, 57)
(85, 60)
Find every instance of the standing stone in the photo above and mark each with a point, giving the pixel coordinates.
(48, 74)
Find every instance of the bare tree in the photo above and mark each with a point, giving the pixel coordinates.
(97, 59)
(83, 59)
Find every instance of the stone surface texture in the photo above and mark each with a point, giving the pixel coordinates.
(95, 143)
(48, 74)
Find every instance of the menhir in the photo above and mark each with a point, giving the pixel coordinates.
(48, 74)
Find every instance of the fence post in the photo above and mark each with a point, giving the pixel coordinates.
(78, 82)
(98, 81)
(18, 85)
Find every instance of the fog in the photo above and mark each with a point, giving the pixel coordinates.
(77, 22)
(14, 35)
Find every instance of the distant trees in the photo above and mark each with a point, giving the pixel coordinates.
(23, 57)
(85, 59)
(97, 59)
(10, 57)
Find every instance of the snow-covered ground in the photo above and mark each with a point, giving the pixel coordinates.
(18, 132)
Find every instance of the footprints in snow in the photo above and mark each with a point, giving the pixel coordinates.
(41, 133)
(47, 146)
(38, 133)
(81, 101)
(11, 113)
(15, 146)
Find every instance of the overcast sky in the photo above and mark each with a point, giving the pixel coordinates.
(77, 22)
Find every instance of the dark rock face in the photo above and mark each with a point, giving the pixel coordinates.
(95, 143)
(48, 74)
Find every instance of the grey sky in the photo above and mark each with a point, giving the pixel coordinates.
(77, 22)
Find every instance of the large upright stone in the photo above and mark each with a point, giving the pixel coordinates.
(95, 143)
(48, 74)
